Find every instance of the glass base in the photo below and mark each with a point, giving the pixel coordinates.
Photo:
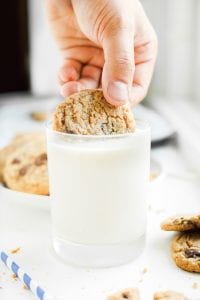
(98, 256)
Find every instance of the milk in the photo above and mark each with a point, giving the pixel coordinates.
(98, 189)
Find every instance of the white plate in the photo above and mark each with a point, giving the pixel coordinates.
(35, 201)
(160, 128)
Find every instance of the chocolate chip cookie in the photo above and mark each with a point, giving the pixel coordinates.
(18, 141)
(88, 113)
(168, 295)
(186, 251)
(181, 223)
(130, 294)
(26, 168)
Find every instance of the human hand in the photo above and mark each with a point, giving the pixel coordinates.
(109, 44)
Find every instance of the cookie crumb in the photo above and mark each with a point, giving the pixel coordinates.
(25, 287)
(14, 276)
(153, 176)
(144, 270)
(39, 116)
(16, 250)
(195, 285)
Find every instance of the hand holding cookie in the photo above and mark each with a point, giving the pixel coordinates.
(112, 44)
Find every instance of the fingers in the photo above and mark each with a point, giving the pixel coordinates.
(89, 78)
(70, 71)
(145, 57)
(142, 78)
(118, 69)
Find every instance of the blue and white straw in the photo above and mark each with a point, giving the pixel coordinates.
(25, 278)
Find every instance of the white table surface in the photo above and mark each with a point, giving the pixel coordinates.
(177, 192)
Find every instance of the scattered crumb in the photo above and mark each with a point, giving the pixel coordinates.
(195, 285)
(153, 175)
(14, 276)
(39, 116)
(140, 280)
(144, 270)
(25, 287)
(16, 250)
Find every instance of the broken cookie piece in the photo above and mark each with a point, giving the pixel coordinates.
(130, 294)
(168, 295)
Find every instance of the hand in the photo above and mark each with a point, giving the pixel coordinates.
(108, 44)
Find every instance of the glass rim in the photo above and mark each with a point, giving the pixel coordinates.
(100, 136)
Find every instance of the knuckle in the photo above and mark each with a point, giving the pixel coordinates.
(126, 62)
(118, 24)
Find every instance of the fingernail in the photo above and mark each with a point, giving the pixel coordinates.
(118, 91)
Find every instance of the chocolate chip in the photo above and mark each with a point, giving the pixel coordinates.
(16, 161)
(23, 170)
(192, 253)
(41, 159)
(125, 295)
(70, 132)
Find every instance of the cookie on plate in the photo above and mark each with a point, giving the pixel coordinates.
(18, 141)
(186, 251)
(181, 223)
(130, 294)
(26, 168)
(88, 113)
(168, 295)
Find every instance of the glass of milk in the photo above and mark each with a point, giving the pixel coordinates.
(98, 187)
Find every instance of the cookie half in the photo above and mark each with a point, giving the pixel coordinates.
(26, 168)
(181, 223)
(168, 295)
(186, 251)
(88, 113)
(130, 294)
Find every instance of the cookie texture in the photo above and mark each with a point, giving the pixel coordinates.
(130, 294)
(168, 295)
(181, 223)
(88, 113)
(186, 251)
(18, 141)
(26, 168)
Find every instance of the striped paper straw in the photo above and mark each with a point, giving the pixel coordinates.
(25, 278)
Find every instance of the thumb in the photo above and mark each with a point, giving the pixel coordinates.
(118, 70)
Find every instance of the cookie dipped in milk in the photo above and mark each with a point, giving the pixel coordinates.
(98, 161)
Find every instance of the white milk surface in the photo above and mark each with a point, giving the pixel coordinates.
(98, 189)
